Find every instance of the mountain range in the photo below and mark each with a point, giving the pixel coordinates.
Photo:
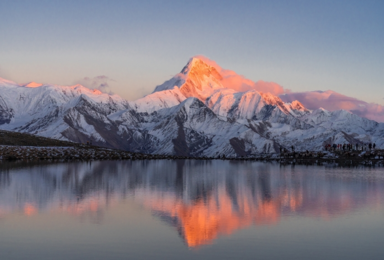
(194, 113)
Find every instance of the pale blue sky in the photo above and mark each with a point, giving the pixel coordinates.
(301, 45)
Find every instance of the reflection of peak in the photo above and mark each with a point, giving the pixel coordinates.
(202, 221)
(202, 201)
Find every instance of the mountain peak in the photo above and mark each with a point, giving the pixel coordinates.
(202, 78)
(200, 64)
(298, 106)
(199, 78)
(33, 85)
(191, 63)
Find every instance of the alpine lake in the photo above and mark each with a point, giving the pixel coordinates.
(190, 209)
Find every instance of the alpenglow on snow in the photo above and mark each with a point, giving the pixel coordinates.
(192, 114)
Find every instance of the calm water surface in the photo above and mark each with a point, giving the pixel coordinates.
(190, 210)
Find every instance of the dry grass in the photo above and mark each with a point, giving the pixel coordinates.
(23, 139)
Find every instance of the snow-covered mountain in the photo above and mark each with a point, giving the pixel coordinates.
(191, 114)
(72, 113)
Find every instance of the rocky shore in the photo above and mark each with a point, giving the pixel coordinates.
(82, 152)
(339, 157)
(87, 153)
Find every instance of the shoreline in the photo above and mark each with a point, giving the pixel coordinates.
(93, 153)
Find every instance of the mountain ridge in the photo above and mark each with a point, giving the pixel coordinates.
(192, 114)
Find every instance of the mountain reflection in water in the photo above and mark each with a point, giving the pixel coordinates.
(201, 199)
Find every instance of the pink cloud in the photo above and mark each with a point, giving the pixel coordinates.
(331, 101)
(239, 83)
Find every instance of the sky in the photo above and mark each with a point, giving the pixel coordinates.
(130, 47)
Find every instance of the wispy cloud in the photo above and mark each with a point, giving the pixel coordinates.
(99, 82)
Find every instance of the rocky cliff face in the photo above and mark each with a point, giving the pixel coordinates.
(192, 114)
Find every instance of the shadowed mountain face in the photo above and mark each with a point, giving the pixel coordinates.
(201, 200)
(195, 113)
